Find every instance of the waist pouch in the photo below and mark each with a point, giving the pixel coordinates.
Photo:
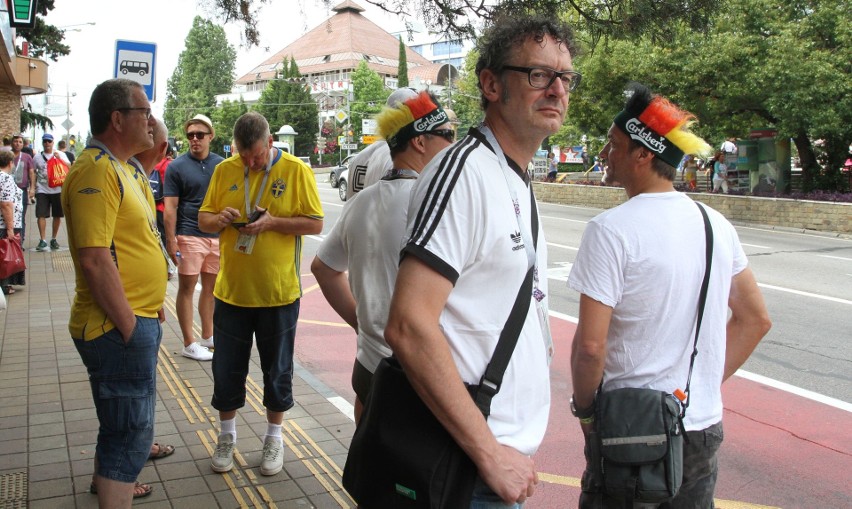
(401, 456)
(638, 447)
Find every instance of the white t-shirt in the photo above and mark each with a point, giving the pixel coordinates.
(368, 167)
(645, 259)
(366, 240)
(461, 222)
(40, 160)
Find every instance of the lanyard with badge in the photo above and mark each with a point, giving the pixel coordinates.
(538, 295)
(245, 242)
(137, 191)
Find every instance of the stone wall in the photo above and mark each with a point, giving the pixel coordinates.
(797, 214)
(10, 110)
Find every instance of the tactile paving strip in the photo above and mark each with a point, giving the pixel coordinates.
(13, 490)
(62, 261)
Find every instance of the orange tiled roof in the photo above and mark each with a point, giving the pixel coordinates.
(340, 42)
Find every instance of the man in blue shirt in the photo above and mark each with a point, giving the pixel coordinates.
(193, 251)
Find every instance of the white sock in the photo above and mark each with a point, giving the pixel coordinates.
(230, 426)
(274, 431)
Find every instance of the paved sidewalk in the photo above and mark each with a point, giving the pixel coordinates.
(48, 426)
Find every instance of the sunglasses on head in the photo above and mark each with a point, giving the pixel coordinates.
(196, 135)
(447, 134)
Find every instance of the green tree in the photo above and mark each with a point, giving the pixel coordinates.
(224, 117)
(402, 71)
(30, 119)
(205, 68)
(44, 40)
(370, 95)
(465, 100)
(625, 19)
(287, 100)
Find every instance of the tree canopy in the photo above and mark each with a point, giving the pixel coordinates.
(370, 94)
(205, 68)
(286, 101)
(44, 40)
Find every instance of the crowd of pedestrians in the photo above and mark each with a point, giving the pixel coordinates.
(418, 264)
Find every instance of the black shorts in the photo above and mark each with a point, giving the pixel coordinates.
(48, 205)
(362, 380)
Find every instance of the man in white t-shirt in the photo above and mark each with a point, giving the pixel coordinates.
(371, 164)
(470, 245)
(48, 202)
(639, 271)
(368, 236)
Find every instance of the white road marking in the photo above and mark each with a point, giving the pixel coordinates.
(344, 406)
(806, 294)
(792, 389)
(565, 219)
(755, 245)
(560, 273)
(836, 403)
(836, 257)
(563, 246)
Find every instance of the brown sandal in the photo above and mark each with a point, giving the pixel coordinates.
(147, 489)
(162, 451)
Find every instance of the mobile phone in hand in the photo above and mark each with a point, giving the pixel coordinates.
(256, 215)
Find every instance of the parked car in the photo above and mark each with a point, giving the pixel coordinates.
(341, 184)
(336, 171)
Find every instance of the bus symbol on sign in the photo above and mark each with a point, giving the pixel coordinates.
(132, 66)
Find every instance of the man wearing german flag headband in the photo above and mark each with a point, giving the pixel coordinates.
(639, 271)
(366, 239)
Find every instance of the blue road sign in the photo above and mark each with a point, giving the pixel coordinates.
(136, 61)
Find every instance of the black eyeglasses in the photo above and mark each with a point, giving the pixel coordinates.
(447, 134)
(197, 135)
(543, 77)
(147, 111)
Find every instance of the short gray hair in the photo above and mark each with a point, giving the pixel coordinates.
(109, 96)
(250, 128)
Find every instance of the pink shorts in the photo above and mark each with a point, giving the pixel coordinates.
(198, 254)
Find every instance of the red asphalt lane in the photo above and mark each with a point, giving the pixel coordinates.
(780, 449)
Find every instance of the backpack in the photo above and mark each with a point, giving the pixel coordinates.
(57, 170)
(156, 185)
(21, 174)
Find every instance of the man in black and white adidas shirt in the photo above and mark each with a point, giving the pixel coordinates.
(470, 246)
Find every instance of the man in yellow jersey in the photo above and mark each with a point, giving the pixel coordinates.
(121, 283)
(260, 202)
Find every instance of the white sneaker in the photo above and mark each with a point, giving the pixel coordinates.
(273, 457)
(207, 343)
(223, 456)
(197, 352)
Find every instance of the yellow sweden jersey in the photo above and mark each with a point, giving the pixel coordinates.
(270, 276)
(98, 215)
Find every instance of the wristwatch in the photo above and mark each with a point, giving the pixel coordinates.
(582, 413)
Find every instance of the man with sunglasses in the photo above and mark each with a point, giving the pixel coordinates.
(366, 238)
(193, 251)
(47, 198)
(472, 221)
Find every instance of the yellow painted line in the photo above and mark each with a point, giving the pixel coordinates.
(316, 447)
(720, 504)
(330, 324)
(309, 289)
(559, 479)
(733, 504)
(251, 496)
(266, 497)
(226, 476)
(182, 387)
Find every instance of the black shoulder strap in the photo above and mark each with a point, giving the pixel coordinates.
(702, 299)
(492, 379)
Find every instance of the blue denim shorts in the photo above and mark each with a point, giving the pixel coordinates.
(235, 329)
(485, 498)
(124, 388)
